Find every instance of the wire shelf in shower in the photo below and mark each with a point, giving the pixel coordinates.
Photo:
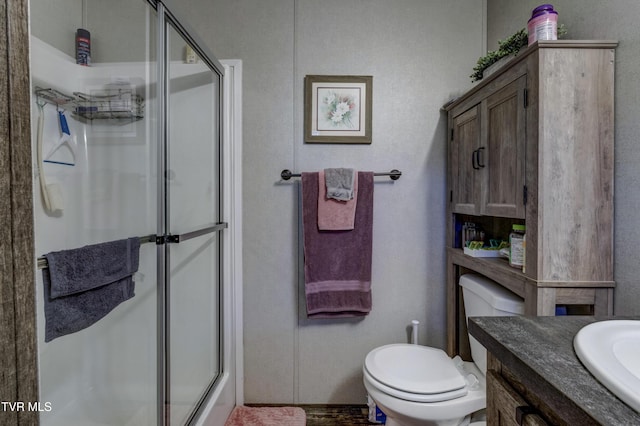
(54, 97)
(112, 103)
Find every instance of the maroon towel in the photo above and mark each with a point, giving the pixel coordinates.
(337, 264)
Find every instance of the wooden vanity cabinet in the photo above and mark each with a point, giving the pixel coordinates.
(533, 144)
(506, 407)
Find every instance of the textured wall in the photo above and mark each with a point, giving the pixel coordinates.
(419, 58)
(56, 22)
(115, 36)
(588, 20)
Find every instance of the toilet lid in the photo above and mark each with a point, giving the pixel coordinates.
(415, 369)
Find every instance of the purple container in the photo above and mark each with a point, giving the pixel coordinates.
(543, 24)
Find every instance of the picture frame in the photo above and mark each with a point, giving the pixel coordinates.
(337, 109)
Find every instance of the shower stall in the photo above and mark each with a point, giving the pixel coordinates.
(136, 134)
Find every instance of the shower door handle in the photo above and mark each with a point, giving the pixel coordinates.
(189, 235)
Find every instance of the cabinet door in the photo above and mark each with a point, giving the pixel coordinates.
(502, 152)
(464, 144)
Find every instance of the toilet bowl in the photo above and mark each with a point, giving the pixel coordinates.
(418, 385)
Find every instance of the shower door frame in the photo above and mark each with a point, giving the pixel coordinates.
(167, 19)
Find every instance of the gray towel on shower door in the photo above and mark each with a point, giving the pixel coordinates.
(83, 285)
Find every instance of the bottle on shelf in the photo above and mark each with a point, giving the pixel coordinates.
(516, 240)
(471, 232)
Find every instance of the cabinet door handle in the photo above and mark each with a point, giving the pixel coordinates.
(474, 160)
(480, 150)
(523, 411)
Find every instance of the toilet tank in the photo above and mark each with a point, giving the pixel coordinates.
(486, 298)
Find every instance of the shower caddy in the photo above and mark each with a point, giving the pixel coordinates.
(117, 102)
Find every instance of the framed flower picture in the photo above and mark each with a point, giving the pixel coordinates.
(337, 109)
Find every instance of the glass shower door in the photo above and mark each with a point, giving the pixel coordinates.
(106, 373)
(193, 219)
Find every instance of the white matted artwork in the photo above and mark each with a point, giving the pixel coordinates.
(338, 109)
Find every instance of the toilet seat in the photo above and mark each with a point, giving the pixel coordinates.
(415, 373)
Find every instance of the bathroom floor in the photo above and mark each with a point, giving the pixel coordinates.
(331, 415)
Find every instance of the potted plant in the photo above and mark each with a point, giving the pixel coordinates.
(508, 47)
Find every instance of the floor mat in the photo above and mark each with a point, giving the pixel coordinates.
(267, 416)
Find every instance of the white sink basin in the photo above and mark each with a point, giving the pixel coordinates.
(611, 352)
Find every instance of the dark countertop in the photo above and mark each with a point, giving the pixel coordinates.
(539, 352)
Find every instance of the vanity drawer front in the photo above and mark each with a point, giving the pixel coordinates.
(506, 407)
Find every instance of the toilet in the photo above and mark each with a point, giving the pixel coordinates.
(417, 385)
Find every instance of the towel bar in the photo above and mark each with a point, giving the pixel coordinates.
(394, 174)
(42, 261)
